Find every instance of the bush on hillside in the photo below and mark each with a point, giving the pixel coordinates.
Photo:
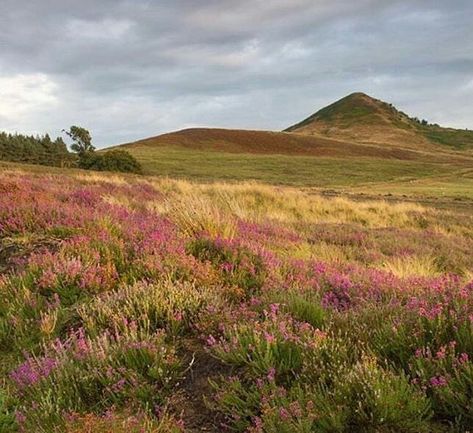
(114, 160)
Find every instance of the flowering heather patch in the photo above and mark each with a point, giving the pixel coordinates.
(147, 305)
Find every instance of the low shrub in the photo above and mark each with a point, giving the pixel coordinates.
(238, 266)
(83, 374)
(113, 160)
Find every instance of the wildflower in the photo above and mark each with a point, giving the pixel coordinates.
(441, 352)
(20, 417)
(283, 413)
(211, 341)
(438, 381)
(271, 374)
(295, 409)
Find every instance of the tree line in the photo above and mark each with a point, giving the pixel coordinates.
(42, 150)
(31, 149)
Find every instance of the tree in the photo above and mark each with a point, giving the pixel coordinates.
(82, 140)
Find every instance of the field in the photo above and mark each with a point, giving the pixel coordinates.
(147, 304)
(449, 178)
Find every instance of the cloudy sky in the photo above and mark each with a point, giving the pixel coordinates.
(128, 69)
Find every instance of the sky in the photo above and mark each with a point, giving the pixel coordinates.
(130, 69)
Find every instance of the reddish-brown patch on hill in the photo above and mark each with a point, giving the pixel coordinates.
(266, 142)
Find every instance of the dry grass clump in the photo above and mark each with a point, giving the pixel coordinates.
(258, 202)
(408, 266)
(196, 214)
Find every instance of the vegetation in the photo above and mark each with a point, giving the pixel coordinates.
(43, 151)
(360, 117)
(359, 174)
(114, 160)
(157, 305)
(82, 141)
(34, 150)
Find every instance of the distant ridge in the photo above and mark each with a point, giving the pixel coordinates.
(364, 119)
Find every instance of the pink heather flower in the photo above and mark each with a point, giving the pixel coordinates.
(310, 406)
(463, 358)
(441, 352)
(438, 381)
(270, 338)
(283, 413)
(178, 316)
(419, 353)
(271, 374)
(47, 279)
(32, 371)
(211, 341)
(258, 423)
(274, 308)
(227, 267)
(295, 409)
(20, 417)
(180, 424)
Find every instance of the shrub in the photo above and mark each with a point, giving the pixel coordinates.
(113, 160)
(447, 375)
(274, 344)
(7, 417)
(113, 422)
(83, 374)
(238, 266)
(379, 399)
(172, 306)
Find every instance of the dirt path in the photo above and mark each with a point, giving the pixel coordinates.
(194, 389)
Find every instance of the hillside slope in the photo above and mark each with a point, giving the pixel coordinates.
(363, 119)
(240, 141)
(266, 142)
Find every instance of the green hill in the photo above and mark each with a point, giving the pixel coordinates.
(364, 119)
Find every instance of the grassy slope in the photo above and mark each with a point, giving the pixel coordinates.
(268, 142)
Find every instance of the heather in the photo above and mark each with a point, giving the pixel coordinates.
(154, 305)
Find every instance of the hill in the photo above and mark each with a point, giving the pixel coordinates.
(383, 149)
(363, 119)
(265, 142)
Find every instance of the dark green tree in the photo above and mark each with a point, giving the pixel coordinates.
(82, 140)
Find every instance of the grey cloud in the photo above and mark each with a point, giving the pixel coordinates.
(132, 68)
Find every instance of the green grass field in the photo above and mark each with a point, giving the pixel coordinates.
(380, 176)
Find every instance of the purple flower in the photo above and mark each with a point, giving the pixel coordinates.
(438, 381)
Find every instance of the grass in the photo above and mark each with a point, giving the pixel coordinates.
(455, 138)
(280, 169)
(368, 175)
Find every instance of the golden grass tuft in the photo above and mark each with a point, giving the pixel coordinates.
(258, 202)
(195, 214)
(409, 266)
